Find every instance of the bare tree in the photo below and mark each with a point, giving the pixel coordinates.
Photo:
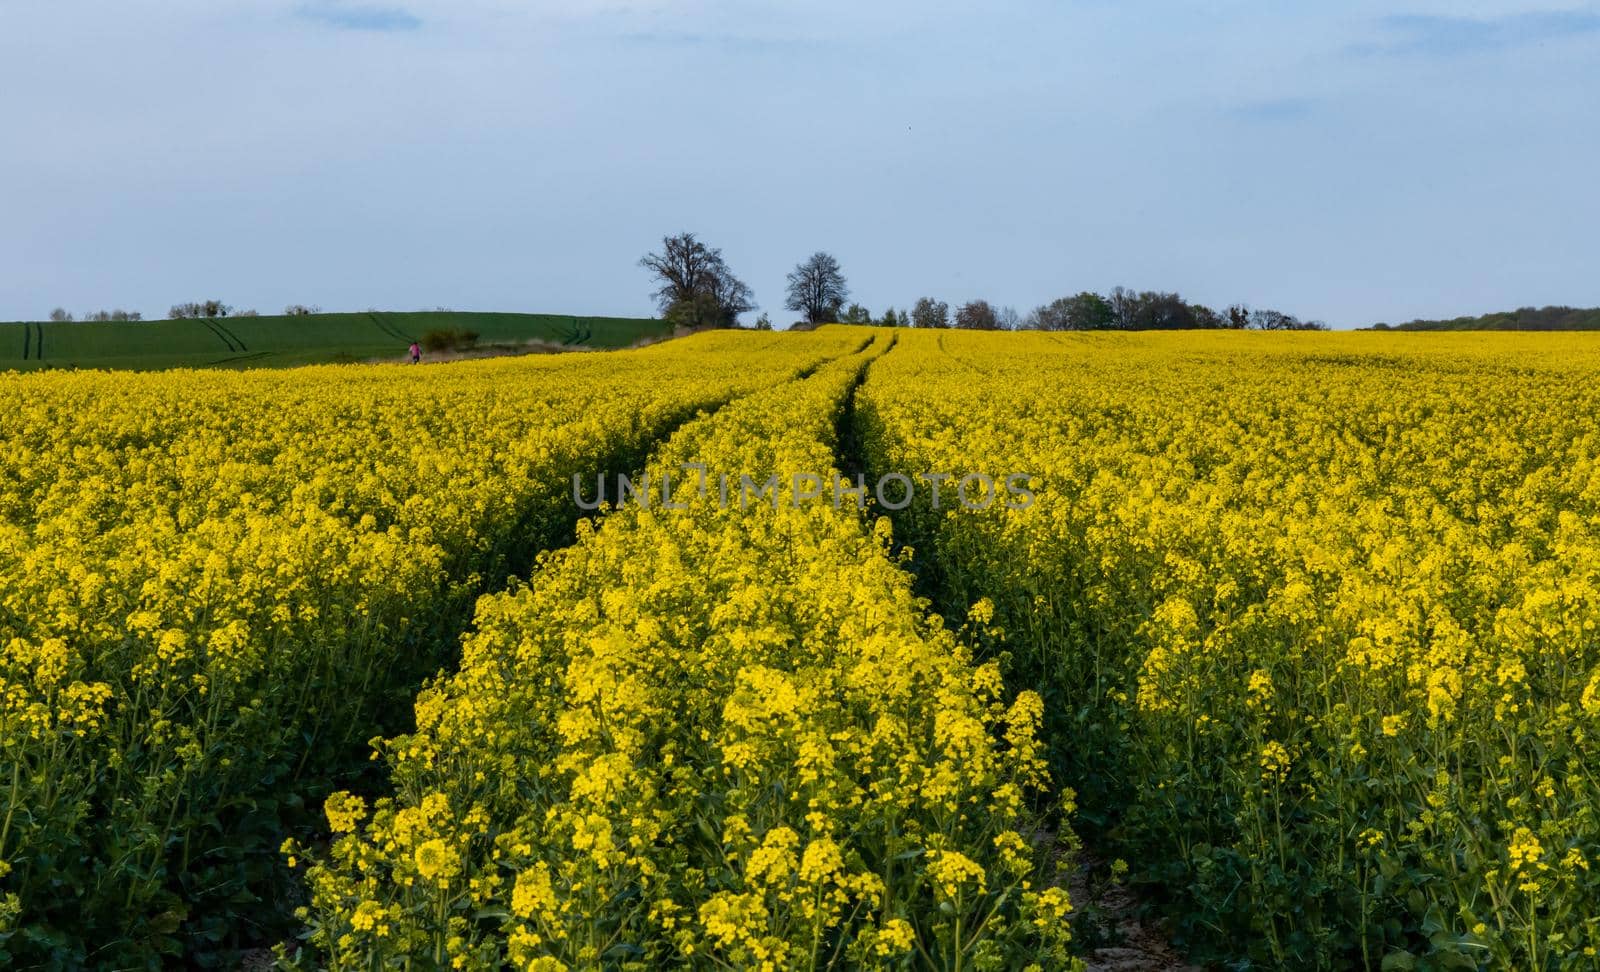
(1124, 307)
(1153, 310)
(977, 315)
(60, 315)
(301, 310)
(685, 267)
(927, 312)
(817, 288)
(696, 287)
(1271, 320)
(729, 296)
(1008, 318)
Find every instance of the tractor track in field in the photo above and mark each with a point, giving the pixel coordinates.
(519, 553)
(545, 525)
(239, 358)
(1111, 930)
(849, 453)
(957, 360)
(388, 328)
(581, 333)
(518, 556)
(229, 332)
(212, 327)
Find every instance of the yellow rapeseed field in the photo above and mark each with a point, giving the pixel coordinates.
(213, 584)
(1314, 616)
(720, 737)
(1299, 631)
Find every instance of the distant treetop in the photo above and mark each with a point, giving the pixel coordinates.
(203, 308)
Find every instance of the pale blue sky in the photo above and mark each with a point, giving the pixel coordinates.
(1352, 162)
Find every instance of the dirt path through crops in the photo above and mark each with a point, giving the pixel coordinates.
(1112, 932)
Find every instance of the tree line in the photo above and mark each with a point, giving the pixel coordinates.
(62, 316)
(189, 310)
(1554, 318)
(216, 308)
(696, 289)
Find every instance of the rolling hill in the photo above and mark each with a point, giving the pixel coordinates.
(233, 342)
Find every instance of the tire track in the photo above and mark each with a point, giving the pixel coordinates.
(27, 340)
(543, 525)
(956, 360)
(388, 328)
(377, 322)
(215, 330)
(848, 447)
(236, 359)
(228, 331)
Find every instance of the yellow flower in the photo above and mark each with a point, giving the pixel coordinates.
(1260, 687)
(774, 860)
(821, 861)
(367, 916)
(982, 611)
(896, 937)
(1275, 761)
(435, 860)
(345, 811)
(533, 896)
(1524, 851)
(952, 872)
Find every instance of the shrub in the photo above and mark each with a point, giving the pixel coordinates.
(449, 339)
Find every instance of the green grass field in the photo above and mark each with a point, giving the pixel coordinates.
(281, 341)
